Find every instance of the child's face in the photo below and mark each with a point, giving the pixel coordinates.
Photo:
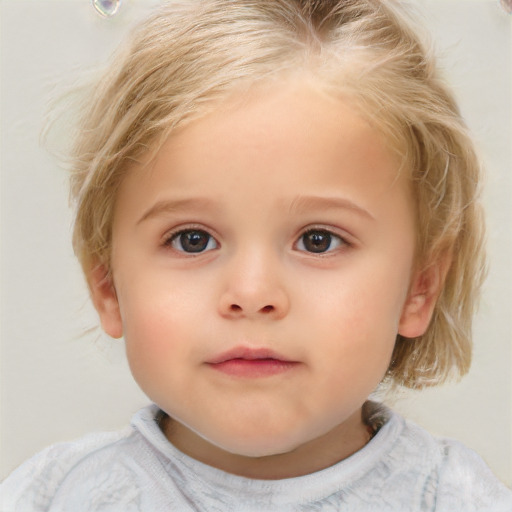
(262, 269)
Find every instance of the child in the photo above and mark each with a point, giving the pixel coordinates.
(277, 208)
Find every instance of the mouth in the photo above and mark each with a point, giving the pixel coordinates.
(252, 363)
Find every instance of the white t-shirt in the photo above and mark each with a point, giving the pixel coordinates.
(403, 468)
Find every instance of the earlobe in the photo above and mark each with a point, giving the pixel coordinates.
(426, 286)
(104, 298)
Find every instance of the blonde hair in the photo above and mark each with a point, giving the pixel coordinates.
(192, 53)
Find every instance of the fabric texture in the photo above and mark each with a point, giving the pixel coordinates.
(403, 468)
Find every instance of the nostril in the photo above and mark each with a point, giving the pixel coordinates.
(235, 308)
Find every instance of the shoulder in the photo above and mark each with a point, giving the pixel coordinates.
(454, 477)
(467, 483)
(36, 484)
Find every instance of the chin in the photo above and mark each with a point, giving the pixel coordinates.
(261, 444)
(257, 450)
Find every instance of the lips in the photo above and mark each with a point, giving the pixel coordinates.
(252, 363)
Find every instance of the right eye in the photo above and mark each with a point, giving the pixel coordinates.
(192, 241)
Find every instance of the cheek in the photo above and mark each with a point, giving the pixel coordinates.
(357, 316)
(156, 324)
(365, 298)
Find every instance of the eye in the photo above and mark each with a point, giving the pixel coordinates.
(319, 241)
(192, 241)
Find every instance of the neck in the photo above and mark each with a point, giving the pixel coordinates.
(317, 454)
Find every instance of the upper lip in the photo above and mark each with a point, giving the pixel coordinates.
(247, 353)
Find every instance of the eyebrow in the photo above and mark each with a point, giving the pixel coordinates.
(305, 203)
(301, 203)
(175, 205)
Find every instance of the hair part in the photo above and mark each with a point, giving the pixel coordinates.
(191, 54)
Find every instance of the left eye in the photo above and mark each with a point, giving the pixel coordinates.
(319, 241)
(193, 241)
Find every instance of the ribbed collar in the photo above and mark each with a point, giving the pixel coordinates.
(229, 489)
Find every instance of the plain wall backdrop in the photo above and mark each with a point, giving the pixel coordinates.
(60, 381)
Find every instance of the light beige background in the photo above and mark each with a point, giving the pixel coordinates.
(59, 382)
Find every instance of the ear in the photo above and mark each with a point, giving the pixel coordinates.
(425, 288)
(104, 298)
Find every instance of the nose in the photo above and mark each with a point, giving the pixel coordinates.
(253, 287)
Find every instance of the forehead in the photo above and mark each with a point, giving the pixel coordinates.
(282, 140)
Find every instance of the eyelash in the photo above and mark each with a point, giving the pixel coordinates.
(340, 241)
(209, 242)
(174, 237)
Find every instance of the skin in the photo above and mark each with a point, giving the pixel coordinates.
(250, 180)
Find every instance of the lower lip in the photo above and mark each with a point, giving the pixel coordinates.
(254, 368)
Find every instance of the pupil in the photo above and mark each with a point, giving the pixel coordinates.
(194, 241)
(317, 241)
